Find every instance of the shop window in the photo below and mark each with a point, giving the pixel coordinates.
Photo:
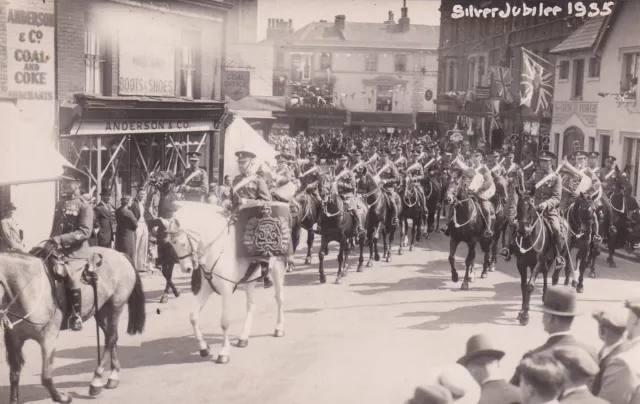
(594, 67)
(325, 61)
(371, 62)
(578, 78)
(401, 62)
(189, 56)
(629, 80)
(384, 98)
(564, 70)
(94, 51)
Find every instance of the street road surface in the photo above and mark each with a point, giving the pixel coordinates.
(371, 339)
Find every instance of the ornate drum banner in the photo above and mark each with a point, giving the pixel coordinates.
(263, 230)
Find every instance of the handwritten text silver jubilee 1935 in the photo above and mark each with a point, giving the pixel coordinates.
(576, 9)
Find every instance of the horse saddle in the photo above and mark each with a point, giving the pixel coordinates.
(65, 266)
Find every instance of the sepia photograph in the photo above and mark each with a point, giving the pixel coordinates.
(320, 201)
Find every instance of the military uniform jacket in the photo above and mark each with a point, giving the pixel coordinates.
(307, 179)
(528, 168)
(73, 226)
(416, 174)
(360, 171)
(255, 188)
(284, 175)
(486, 176)
(347, 181)
(595, 181)
(198, 186)
(497, 170)
(390, 175)
(549, 192)
(433, 171)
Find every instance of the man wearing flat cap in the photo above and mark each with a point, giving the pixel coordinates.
(105, 217)
(194, 180)
(612, 324)
(621, 378)
(579, 367)
(482, 361)
(559, 310)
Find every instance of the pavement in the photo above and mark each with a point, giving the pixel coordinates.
(371, 339)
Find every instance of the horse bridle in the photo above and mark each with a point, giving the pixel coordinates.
(528, 233)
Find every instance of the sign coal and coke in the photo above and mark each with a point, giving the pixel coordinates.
(147, 62)
(236, 84)
(30, 51)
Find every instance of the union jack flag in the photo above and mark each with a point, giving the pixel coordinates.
(501, 86)
(537, 83)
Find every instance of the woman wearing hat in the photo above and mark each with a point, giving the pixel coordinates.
(11, 235)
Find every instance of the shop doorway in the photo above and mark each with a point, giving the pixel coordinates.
(572, 135)
(631, 162)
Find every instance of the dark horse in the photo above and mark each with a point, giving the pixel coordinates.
(499, 227)
(306, 218)
(433, 197)
(412, 208)
(379, 218)
(338, 225)
(33, 305)
(580, 215)
(468, 226)
(163, 189)
(534, 250)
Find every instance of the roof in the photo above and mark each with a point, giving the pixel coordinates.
(366, 34)
(583, 38)
(606, 27)
(257, 103)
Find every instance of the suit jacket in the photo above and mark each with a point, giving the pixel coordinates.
(621, 378)
(499, 392)
(582, 396)
(104, 217)
(135, 209)
(604, 363)
(555, 341)
(126, 231)
(10, 236)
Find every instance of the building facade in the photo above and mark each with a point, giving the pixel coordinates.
(137, 84)
(362, 75)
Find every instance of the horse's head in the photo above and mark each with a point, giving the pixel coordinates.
(457, 189)
(367, 182)
(326, 185)
(184, 244)
(525, 212)
(162, 180)
(586, 208)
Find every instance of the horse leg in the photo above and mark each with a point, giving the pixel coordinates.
(323, 247)
(278, 279)
(370, 242)
(243, 341)
(468, 263)
(223, 355)
(341, 254)
(201, 299)
(14, 355)
(487, 248)
(48, 349)
(453, 246)
(307, 260)
(523, 315)
(376, 237)
(402, 234)
(111, 344)
(613, 241)
(414, 224)
(345, 266)
(96, 386)
(581, 268)
(392, 232)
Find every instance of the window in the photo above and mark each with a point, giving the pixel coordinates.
(564, 70)
(301, 67)
(630, 74)
(594, 67)
(472, 73)
(279, 59)
(578, 78)
(325, 61)
(451, 76)
(604, 147)
(401, 62)
(189, 80)
(94, 62)
(479, 81)
(592, 143)
(384, 98)
(371, 62)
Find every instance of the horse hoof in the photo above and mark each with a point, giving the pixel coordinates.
(524, 319)
(323, 279)
(454, 277)
(388, 259)
(112, 384)
(491, 268)
(580, 289)
(338, 280)
(278, 333)
(411, 248)
(95, 390)
(205, 352)
(222, 359)
(164, 299)
(344, 274)
(484, 275)
(400, 252)
(465, 285)
(369, 264)
(574, 283)
(612, 264)
(307, 261)
(359, 268)
(519, 315)
(592, 274)
(64, 398)
(242, 343)
(530, 288)
(376, 258)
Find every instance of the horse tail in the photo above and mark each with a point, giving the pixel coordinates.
(137, 313)
(14, 350)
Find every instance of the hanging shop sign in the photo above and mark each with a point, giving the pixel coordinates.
(236, 83)
(587, 112)
(483, 92)
(30, 50)
(428, 95)
(138, 126)
(147, 61)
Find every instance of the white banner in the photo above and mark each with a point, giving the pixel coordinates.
(147, 61)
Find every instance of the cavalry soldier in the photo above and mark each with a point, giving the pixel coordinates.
(283, 176)
(415, 174)
(592, 161)
(310, 173)
(528, 165)
(390, 178)
(373, 149)
(346, 188)
(72, 228)
(194, 180)
(399, 160)
(498, 174)
(432, 167)
(548, 188)
(512, 173)
(487, 180)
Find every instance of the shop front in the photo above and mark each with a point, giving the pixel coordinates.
(376, 120)
(574, 123)
(118, 141)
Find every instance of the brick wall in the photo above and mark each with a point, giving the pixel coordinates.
(70, 47)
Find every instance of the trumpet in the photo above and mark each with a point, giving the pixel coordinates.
(585, 182)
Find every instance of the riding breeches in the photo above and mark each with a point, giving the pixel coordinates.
(511, 206)
(393, 199)
(605, 203)
(553, 218)
(488, 212)
(565, 202)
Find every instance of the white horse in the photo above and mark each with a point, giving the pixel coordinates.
(205, 242)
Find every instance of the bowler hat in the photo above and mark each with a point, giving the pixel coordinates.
(634, 306)
(71, 174)
(576, 360)
(615, 318)
(480, 345)
(432, 394)
(194, 155)
(245, 155)
(560, 301)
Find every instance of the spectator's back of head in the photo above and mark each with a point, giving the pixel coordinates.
(542, 376)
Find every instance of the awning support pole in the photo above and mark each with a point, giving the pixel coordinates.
(144, 163)
(99, 162)
(114, 155)
(175, 147)
(204, 138)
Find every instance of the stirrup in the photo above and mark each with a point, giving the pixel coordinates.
(504, 252)
(560, 263)
(74, 323)
(613, 229)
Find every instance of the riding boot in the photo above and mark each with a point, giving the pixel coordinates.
(596, 229)
(394, 211)
(488, 217)
(359, 228)
(609, 211)
(560, 246)
(75, 319)
(266, 278)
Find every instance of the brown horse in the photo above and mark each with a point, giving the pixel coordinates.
(412, 208)
(33, 306)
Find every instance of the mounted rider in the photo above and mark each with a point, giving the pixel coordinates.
(346, 182)
(72, 228)
(194, 180)
(593, 189)
(512, 173)
(399, 160)
(358, 164)
(497, 170)
(283, 176)
(415, 175)
(482, 191)
(432, 168)
(547, 189)
(389, 179)
(310, 173)
(608, 179)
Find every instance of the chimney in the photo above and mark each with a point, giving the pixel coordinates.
(278, 28)
(340, 22)
(390, 20)
(404, 20)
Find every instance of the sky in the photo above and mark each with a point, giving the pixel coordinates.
(303, 12)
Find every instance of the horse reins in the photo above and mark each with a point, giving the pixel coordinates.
(541, 234)
(455, 218)
(4, 319)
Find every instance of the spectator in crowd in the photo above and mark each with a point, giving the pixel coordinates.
(431, 394)
(579, 367)
(460, 383)
(126, 224)
(225, 189)
(11, 235)
(621, 378)
(559, 310)
(213, 197)
(541, 379)
(141, 252)
(103, 214)
(612, 324)
(482, 361)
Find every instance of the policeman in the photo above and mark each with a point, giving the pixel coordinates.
(194, 180)
(390, 178)
(347, 188)
(547, 187)
(72, 228)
